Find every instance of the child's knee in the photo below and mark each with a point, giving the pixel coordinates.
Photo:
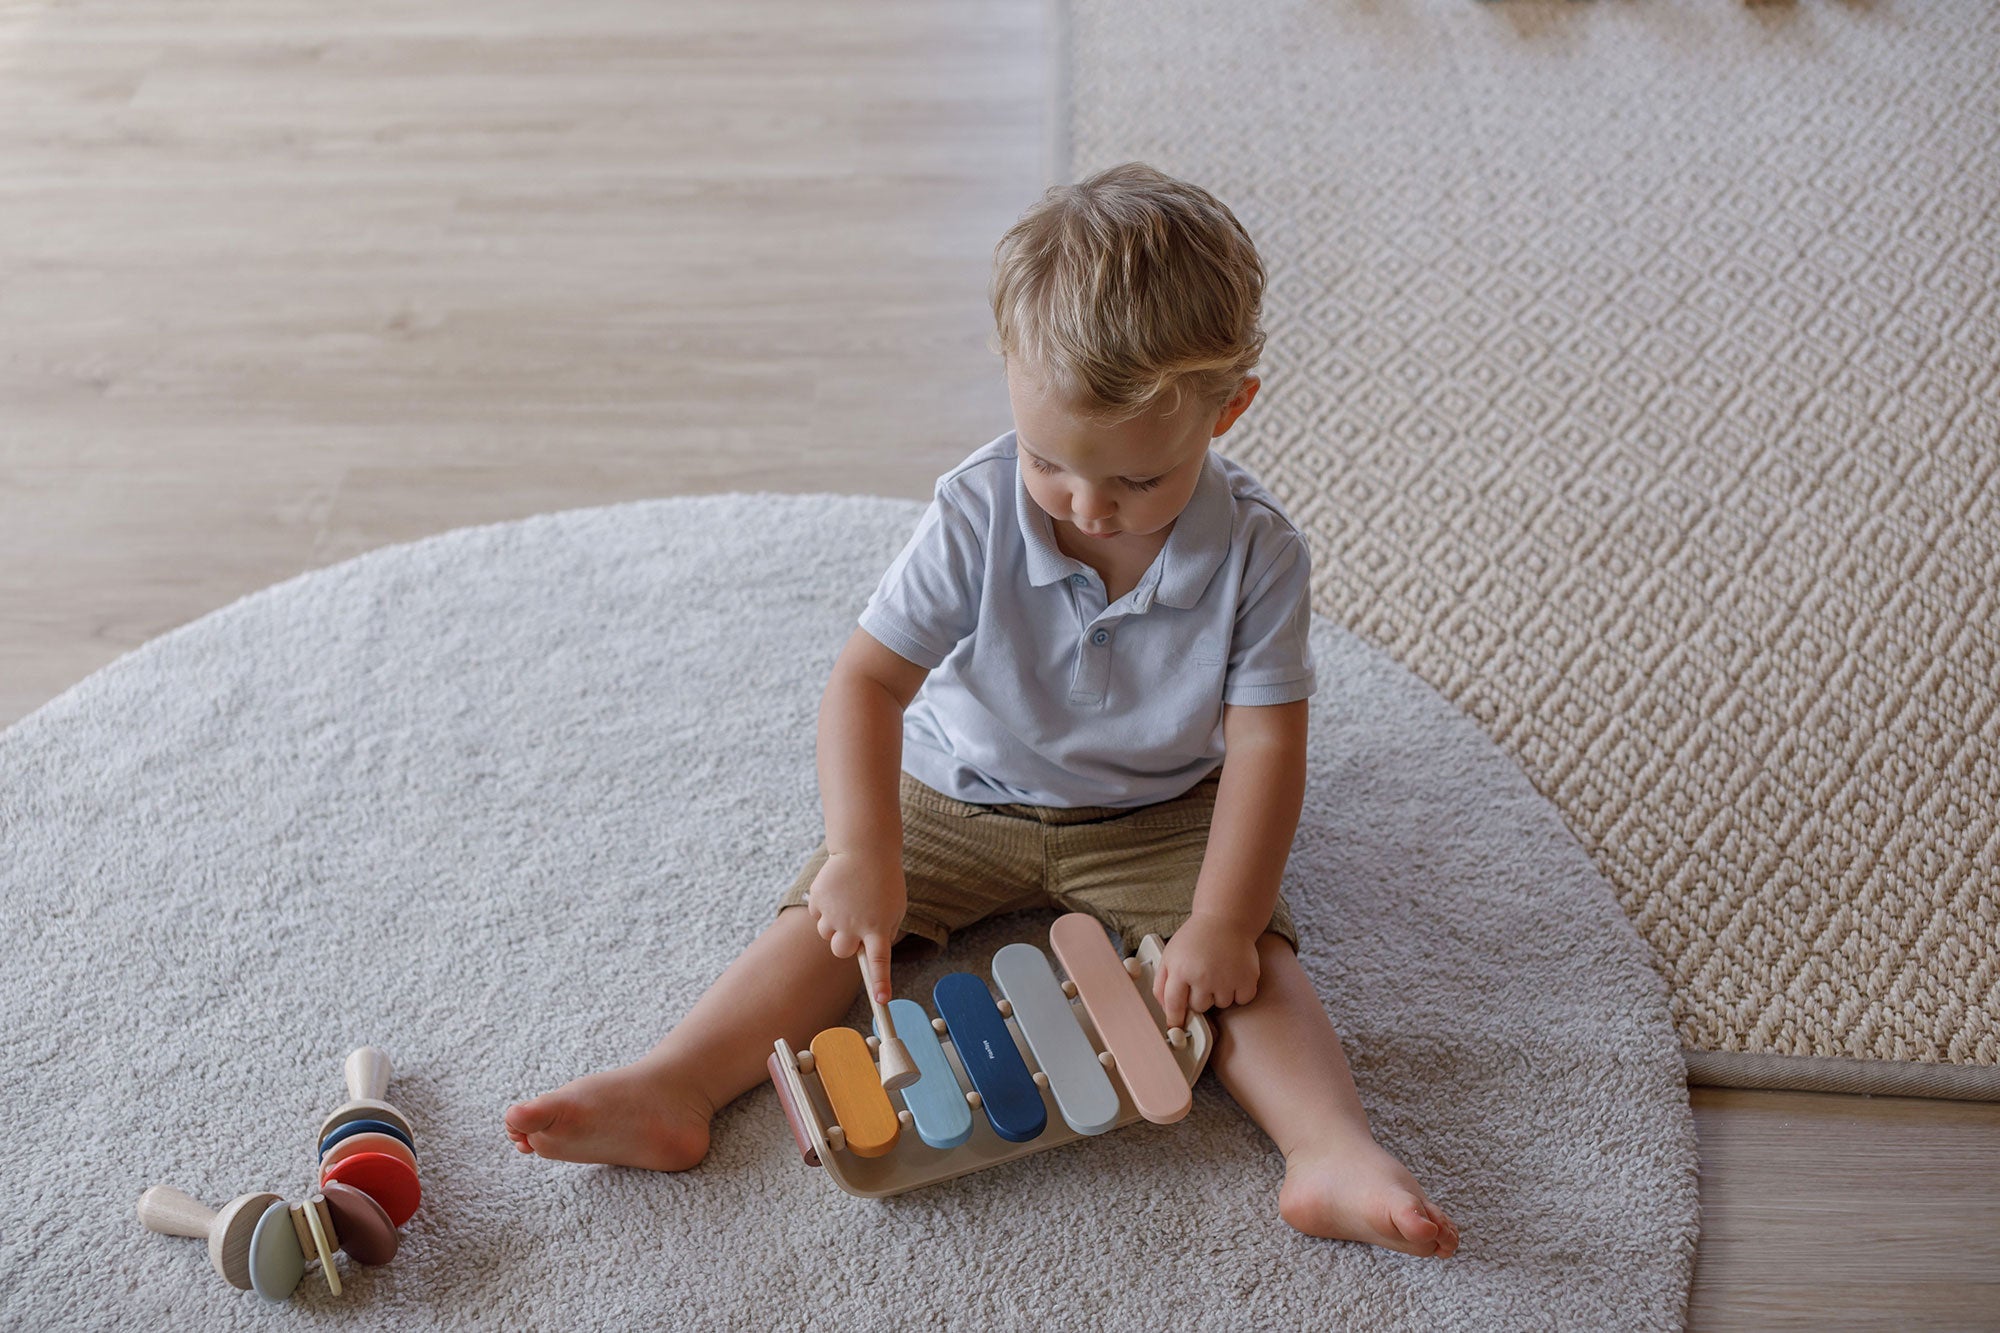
(1271, 941)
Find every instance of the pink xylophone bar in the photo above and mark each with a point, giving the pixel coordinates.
(1104, 1017)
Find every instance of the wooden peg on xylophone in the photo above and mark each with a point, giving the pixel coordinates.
(898, 1069)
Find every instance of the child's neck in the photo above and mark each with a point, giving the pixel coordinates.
(1120, 561)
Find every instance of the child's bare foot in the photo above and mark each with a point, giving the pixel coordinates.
(1362, 1193)
(637, 1115)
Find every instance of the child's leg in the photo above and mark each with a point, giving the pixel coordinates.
(654, 1112)
(961, 863)
(1281, 1059)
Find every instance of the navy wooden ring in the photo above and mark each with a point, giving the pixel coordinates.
(354, 1127)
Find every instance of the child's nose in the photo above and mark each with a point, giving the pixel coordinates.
(1092, 504)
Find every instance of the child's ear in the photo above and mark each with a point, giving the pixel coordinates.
(1238, 404)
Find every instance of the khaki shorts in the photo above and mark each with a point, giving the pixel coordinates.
(1133, 869)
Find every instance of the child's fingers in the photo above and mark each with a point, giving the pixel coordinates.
(878, 965)
(1245, 994)
(1199, 998)
(1175, 1002)
(843, 944)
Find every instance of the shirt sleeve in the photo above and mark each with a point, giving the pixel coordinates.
(1270, 659)
(929, 599)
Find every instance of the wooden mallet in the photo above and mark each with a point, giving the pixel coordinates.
(898, 1069)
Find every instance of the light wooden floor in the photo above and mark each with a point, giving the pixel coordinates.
(281, 282)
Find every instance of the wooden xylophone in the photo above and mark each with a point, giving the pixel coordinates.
(1047, 1064)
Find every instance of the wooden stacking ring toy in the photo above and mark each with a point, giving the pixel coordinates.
(364, 1228)
(368, 1188)
(1050, 1062)
(367, 1143)
(367, 1071)
(390, 1181)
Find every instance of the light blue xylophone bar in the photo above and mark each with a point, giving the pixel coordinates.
(935, 1101)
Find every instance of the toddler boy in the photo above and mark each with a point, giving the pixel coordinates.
(1092, 616)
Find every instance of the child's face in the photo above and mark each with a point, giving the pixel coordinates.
(1112, 484)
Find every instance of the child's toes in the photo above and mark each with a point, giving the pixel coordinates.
(1447, 1233)
(1414, 1222)
(530, 1117)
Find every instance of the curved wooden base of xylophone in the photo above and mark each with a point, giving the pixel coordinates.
(911, 1163)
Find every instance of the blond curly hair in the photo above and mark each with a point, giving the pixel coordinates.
(1127, 290)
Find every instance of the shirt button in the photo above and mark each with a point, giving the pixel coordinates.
(1078, 579)
(1102, 636)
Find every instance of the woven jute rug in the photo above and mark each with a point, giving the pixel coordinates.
(1635, 369)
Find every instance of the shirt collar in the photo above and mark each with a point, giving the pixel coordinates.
(1194, 549)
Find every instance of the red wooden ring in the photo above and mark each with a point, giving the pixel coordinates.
(387, 1180)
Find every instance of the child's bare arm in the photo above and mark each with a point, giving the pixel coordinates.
(1256, 813)
(859, 897)
(1212, 960)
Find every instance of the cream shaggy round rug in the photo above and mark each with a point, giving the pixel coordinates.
(503, 802)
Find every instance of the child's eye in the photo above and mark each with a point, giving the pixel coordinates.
(1039, 466)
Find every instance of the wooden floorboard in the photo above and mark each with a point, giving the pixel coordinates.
(283, 283)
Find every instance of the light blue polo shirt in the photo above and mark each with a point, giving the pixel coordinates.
(1041, 693)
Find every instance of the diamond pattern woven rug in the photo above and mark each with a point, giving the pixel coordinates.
(1635, 369)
